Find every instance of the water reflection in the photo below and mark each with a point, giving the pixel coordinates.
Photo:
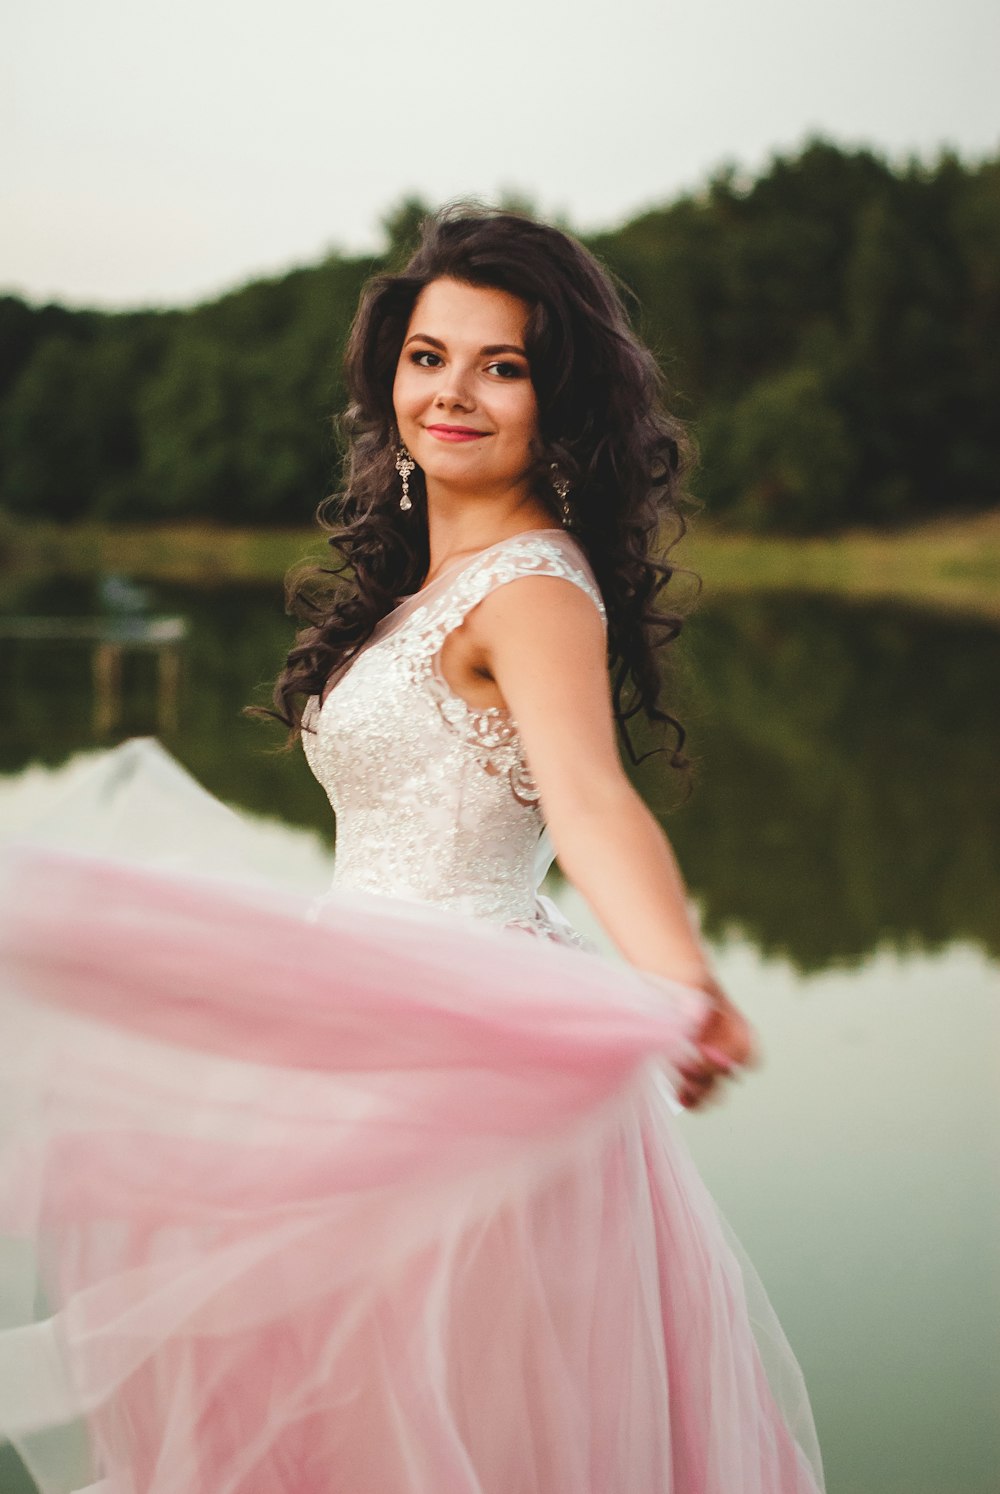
(847, 792)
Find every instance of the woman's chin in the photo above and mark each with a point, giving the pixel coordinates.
(469, 471)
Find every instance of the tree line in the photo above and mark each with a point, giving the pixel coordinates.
(830, 329)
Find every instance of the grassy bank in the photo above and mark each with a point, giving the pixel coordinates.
(949, 565)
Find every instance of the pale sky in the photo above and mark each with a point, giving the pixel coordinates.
(160, 153)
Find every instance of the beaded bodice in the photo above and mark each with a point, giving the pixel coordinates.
(434, 799)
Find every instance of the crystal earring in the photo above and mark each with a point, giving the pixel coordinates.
(404, 466)
(561, 487)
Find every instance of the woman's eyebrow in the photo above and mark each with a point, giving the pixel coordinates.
(493, 347)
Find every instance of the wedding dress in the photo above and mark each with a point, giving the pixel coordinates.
(380, 1192)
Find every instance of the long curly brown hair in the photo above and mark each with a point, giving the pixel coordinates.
(602, 420)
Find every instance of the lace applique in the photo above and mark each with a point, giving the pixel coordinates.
(490, 732)
(433, 798)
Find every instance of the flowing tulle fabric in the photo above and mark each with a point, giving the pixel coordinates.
(351, 1196)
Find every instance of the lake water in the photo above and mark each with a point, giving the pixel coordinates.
(842, 846)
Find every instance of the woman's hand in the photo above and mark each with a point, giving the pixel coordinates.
(725, 1045)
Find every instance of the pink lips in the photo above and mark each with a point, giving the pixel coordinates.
(455, 433)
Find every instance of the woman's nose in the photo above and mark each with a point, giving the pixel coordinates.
(455, 387)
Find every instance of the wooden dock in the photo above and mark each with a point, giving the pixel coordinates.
(110, 638)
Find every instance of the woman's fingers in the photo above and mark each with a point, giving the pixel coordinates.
(697, 1080)
(721, 1061)
(726, 1038)
(724, 1048)
(694, 1091)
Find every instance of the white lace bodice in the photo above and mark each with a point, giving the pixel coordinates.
(434, 799)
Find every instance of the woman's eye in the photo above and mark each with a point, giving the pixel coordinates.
(424, 358)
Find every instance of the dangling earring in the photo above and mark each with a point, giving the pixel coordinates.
(561, 488)
(404, 466)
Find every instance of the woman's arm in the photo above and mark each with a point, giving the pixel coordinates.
(542, 641)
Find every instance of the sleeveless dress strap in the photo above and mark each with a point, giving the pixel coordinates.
(537, 553)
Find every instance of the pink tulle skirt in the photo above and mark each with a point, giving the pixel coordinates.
(379, 1201)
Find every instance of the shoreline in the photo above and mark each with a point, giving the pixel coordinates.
(946, 565)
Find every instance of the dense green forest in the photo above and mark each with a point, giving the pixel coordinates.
(831, 330)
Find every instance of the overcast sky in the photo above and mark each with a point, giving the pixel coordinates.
(159, 153)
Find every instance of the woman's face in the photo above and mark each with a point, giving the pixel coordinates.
(464, 401)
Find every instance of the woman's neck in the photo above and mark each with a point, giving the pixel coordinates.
(456, 529)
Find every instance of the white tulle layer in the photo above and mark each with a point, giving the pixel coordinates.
(391, 1201)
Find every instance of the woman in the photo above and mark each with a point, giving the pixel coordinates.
(445, 384)
(388, 1197)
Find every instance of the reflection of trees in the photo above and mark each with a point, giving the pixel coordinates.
(847, 791)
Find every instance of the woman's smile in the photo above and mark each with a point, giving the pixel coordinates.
(455, 433)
